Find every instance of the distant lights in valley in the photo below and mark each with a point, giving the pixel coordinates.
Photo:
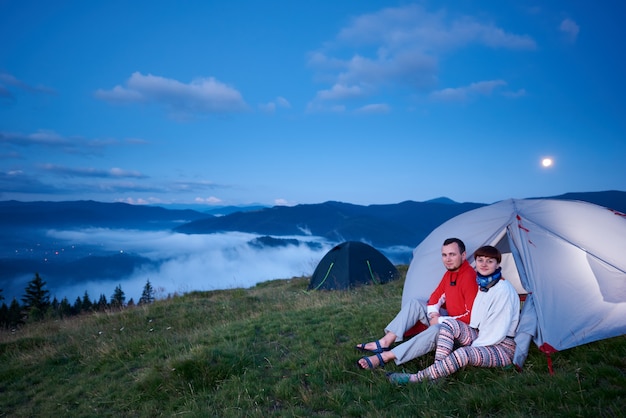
(547, 162)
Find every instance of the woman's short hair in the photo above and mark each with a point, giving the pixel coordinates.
(488, 251)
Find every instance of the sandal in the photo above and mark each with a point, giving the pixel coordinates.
(371, 365)
(377, 350)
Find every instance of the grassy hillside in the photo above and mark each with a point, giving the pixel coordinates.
(276, 350)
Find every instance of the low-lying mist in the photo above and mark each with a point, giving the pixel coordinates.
(180, 263)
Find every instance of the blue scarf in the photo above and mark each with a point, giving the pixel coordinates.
(487, 282)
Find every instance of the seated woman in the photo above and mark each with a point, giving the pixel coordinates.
(488, 339)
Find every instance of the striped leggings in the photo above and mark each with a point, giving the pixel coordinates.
(448, 360)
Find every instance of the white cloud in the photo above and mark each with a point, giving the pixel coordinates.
(211, 200)
(7, 79)
(514, 94)
(114, 172)
(139, 201)
(412, 26)
(55, 141)
(469, 31)
(187, 186)
(282, 102)
(341, 92)
(481, 88)
(24, 184)
(270, 107)
(283, 202)
(338, 92)
(201, 96)
(85, 181)
(317, 106)
(374, 108)
(399, 48)
(570, 29)
(40, 137)
(119, 94)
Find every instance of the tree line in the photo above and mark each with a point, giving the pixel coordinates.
(36, 304)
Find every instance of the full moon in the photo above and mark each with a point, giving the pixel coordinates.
(546, 162)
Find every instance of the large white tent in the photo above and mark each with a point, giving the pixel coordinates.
(567, 257)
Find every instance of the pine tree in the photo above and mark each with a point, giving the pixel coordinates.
(147, 296)
(54, 308)
(15, 314)
(65, 309)
(77, 308)
(37, 299)
(4, 315)
(118, 297)
(87, 304)
(4, 311)
(102, 303)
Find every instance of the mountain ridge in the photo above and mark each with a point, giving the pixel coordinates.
(406, 223)
(382, 225)
(90, 213)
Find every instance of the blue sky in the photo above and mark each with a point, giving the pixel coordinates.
(284, 102)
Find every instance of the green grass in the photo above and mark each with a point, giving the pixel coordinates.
(276, 350)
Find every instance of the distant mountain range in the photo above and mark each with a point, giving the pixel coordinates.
(88, 213)
(26, 245)
(405, 224)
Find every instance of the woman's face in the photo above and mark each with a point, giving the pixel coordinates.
(486, 265)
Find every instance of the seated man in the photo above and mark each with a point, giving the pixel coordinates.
(456, 290)
(488, 340)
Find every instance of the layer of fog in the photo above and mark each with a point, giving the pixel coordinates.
(182, 263)
(192, 262)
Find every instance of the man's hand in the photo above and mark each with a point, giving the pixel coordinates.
(434, 318)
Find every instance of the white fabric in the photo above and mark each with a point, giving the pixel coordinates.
(526, 331)
(437, 308)
(495, 314)
(569, 254)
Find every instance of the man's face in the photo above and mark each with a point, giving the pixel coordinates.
(452, 257)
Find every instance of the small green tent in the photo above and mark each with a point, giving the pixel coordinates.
(352, 264)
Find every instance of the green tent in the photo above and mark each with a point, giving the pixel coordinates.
(352, 264)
